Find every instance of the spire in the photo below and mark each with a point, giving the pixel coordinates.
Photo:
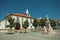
(27, 11)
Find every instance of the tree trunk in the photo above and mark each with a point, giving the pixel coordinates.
(10, 30)
(25, 30)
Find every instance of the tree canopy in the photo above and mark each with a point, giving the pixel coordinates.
(35, 23)
(25, 24)
(53, 23)
(42, 22)
(11, 21)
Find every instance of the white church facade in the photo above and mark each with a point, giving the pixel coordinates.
(18, 18)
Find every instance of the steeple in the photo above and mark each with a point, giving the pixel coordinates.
(27, 12)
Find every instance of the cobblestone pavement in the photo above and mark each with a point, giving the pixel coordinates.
(30, 36)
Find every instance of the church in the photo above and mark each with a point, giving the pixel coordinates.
(19, 17)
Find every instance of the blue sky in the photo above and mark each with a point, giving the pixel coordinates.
(37, 8)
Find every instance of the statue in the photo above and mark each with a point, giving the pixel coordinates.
(48, 26)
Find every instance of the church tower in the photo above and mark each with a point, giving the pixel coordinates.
(27, 12)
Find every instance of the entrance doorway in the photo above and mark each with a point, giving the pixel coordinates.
(17, 26)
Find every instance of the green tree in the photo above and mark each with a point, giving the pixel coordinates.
(11, 21)
(53, 23)
(38, 25)
(25, 25)
(42, 22)
(38, 22)
(35, 23)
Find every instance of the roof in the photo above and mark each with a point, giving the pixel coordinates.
(19, 14)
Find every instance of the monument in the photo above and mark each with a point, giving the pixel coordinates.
(49, 29)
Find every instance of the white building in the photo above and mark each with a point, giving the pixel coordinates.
(18, 18)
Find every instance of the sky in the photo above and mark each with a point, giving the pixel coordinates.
(37, 8)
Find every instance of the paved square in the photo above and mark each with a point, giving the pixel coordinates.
(30, 36)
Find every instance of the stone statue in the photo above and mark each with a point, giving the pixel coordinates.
(48, 26)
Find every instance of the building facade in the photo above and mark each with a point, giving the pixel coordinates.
(18, 18)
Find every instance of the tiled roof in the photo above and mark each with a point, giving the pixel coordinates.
(22, 15)
(17, 14)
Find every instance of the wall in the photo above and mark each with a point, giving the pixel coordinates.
(2, 24)
(21, 21)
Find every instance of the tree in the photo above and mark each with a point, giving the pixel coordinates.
(38, 22)
(35, 23)
(53, 23)
(38, 25)
(11, 21)
(42, 22)
(25, 25)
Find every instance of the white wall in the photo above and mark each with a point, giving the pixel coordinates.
(24, 19)
(29, 20)
(20, 21)
(2, 24)
(15, 17)
(32, 23)
(7, 23)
